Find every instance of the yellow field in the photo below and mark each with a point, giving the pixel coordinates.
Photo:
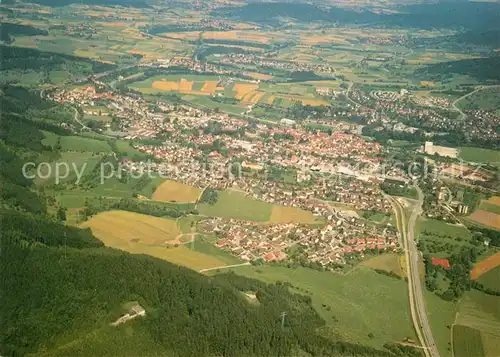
(185, 86)
(428, 83)
(244, 26)
(119, 229)
(494, 200)
(246, 48)
(173, 191)
(255, 97)
(141, 234)
(284, 214)
(242, 89)
(85, 53)
(313, 102)
(209, 87)
(237, 35)
(114, 24)
(271, 99)
(190, 36)
(311, 39)
(261, 76)
(387, 262)
(165, 85)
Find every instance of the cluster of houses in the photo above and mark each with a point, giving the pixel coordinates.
(341, 237)
(262, 61)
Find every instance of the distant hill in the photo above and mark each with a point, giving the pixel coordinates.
(480, 38)
(485, 69)
(459, 14)
(271, 12)
(8, 29)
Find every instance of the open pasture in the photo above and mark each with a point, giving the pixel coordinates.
(352, 305)
(386, 262)
(284, 214)
(76, 143)
(82, 162)
(481, 155)
(491, 278)
(237, 205)
(172, 191)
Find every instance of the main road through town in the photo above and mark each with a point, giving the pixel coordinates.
(417, 302)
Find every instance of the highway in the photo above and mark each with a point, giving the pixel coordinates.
(417, 302)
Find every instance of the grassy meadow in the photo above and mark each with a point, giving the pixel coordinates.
(237, 205)
(481, 155)
(352, 305)
(388, 262)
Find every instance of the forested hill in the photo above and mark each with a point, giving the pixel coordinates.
(58, 300)
(458, 15)
(484, 69)
(8, 29)
(33, 59)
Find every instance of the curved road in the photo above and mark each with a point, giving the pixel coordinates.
(454, 104)
(417, 302)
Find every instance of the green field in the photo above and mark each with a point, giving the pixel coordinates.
(484, 99)
(237, 205)
(77, 163)
(125, 149)
(76, 143)
(353, 305)
(200, 245)
(489, 207)
(479, 155)
(491, 279)
(481, 311)
(478, 322)
(441, 314)
(467, 342)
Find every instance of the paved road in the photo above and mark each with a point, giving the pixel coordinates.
(356, 104)
(420, 308)
(84, 127)
(454, 104)
(417, 302)
(225, 267)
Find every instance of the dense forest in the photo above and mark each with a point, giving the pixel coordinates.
(19, 58)
(8, 29)
(484, 69)
(83, 287)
